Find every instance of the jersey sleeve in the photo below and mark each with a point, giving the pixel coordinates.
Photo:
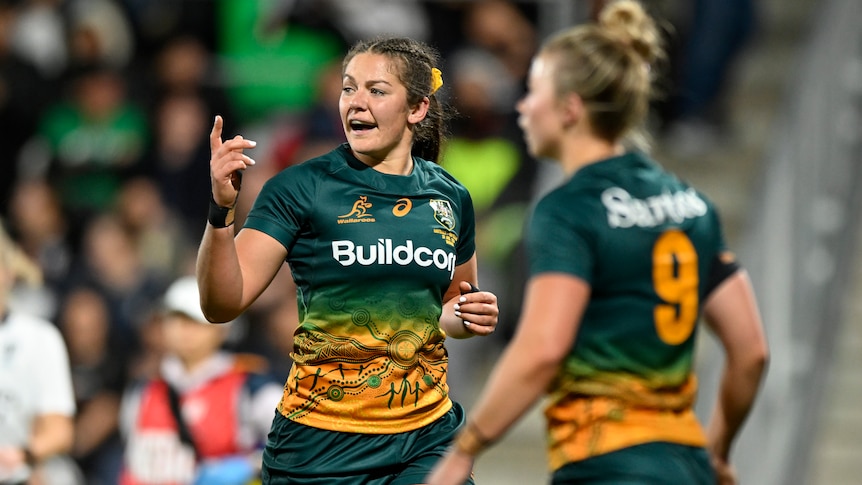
(54, 379)
(467, 236)
(558, 239)
(280, 208)
(716, 221)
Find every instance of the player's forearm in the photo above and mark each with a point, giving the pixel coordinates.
(517, 382)
(552, 309)
(219, 275)
(738, 389)
(731, 312)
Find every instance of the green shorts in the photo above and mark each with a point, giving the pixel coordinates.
(647, 464)
(299, 454)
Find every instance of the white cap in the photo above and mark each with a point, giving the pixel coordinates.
(184, 297)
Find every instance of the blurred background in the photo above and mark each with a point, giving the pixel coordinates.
(106, 106)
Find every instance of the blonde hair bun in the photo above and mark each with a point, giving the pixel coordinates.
(628, 21)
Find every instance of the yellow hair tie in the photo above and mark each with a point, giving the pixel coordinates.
(436, 79)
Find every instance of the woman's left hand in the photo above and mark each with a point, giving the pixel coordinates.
(477, 309)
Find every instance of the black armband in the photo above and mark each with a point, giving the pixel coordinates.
(723, 266)
(219, 216)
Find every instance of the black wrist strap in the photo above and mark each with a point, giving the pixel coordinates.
(220, 216)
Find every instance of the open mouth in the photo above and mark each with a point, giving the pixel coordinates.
(361, 127)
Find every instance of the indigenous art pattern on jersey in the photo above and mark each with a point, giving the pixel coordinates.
(372, 255)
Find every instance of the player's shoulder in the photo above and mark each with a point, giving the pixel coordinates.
(570, 193)
(306, 176)
(329, 162)
(432, 169)
(437, 176)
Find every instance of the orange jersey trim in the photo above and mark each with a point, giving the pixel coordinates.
(589, 426)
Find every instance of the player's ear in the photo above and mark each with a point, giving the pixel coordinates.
(573, 109)
(419, 111)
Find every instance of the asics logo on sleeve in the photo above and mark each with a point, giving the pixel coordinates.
(385, 252)
(623, 210)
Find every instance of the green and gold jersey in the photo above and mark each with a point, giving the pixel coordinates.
(372, 255)
(644, 241)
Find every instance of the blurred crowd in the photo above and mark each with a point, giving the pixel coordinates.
(105, 110)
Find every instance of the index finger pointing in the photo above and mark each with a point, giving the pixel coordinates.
(215, 134)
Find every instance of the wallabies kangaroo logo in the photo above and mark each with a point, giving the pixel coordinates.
(359, 210)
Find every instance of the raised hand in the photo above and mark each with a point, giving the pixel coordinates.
(227, 162)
